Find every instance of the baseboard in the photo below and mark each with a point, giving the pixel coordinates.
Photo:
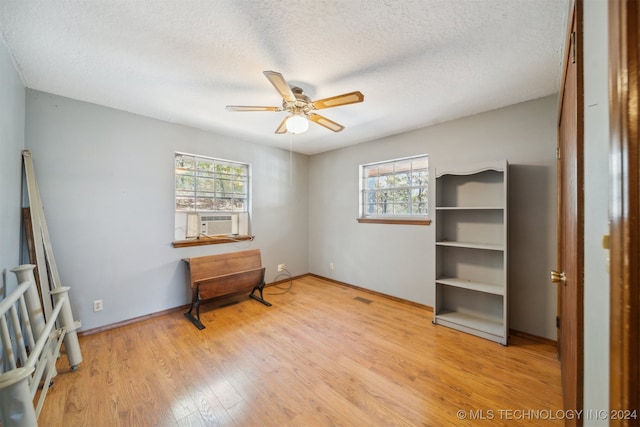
(104, 328)
(370, 291)
(183, 307)
(531, 337)
(512, 332)
(130, 321)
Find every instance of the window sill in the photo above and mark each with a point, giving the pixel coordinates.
(394, 221)
(211, 240)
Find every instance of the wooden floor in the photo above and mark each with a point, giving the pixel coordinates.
(321, 356)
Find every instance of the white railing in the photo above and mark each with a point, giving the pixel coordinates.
(30, 347)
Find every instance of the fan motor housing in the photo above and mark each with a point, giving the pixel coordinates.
(302, 104)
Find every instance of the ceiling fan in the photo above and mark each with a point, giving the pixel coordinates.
(300, 107)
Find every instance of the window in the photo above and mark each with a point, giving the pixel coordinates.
(395, 191)
(206, 184)
(212, 198)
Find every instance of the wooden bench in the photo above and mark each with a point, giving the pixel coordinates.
(224, 274)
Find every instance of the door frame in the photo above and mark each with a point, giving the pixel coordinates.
(570, 339)
(624, 208)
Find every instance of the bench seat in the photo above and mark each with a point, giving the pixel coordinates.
(218, 275)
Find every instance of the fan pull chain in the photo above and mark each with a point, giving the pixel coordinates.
(290, 158)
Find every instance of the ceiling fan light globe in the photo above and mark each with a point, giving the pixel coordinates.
(297, 124)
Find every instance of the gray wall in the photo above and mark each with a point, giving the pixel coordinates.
(398, 260)
(12, 119)
(106, 180)
(596, 185)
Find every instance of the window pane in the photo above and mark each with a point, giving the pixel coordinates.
(419, 201)
(239, 170)
(205, 168)
(383, 197)
(206, 184)
(371, 182)
(403, 166)
(401, 208)
(395, 188)
(222, 167)
(401, 196)
(419, 194)
(204, 204)
(419, 209)
(420, 163)
(371, 171)
(385, 169)
(223, 183)
(185, 163)
(401, 179)
(185, 182)
(238, 186)
(222, 204)
(420, 177)
(185, 203)
(383, 182)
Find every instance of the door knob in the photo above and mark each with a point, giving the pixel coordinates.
(558, 277)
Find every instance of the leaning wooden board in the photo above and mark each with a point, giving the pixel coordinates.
(218, 275)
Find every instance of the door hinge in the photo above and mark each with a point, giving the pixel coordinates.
(558, 153)
(557, 322)
(573, 47)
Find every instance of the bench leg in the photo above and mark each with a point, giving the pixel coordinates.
(195, 303)
(259, 298)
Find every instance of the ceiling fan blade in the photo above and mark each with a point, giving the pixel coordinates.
(281, 85)
(323, 121)
(335, 101)
(251, 108)
(283, 126)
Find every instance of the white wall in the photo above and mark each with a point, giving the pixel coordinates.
(398, 260)
(596, 186)
(12, 119)
(106, 179)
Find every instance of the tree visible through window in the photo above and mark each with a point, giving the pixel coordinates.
(395, 188)
(206, 184)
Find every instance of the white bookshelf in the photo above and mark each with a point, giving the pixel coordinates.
(471, 250)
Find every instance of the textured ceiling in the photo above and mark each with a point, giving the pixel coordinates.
(417, 62)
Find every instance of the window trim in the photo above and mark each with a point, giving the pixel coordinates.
(389, 219)
(213, 240)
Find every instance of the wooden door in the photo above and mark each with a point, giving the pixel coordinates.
(570, 270)
(624, 212)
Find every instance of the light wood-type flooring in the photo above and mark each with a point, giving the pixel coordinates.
(324, 355)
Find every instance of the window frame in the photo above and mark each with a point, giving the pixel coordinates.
(215, 178)
(405, 219)
(208, 240)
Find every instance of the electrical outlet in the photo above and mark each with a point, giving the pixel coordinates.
(97, 305)
(331, 266)
(281, 267)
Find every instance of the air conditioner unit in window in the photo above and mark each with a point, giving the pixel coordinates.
(211, 224)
